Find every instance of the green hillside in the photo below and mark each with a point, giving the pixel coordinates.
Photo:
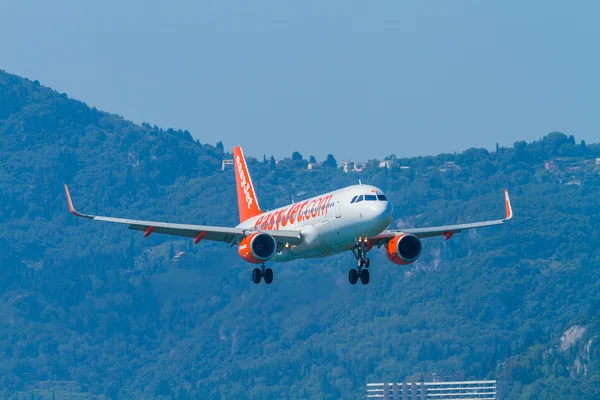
(90, 310)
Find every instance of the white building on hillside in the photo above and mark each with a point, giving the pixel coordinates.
(474, 390)
(226, 165)
(386, 164)
(449, 166)
(353, 166)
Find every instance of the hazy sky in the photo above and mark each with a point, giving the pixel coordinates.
(359, 79)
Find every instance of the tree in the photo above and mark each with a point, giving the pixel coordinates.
(312, 159)
(272, 163)
(515, 294)
(220, 146)
(330, 161)
(296, 156)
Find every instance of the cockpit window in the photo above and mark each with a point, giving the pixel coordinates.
(368, 197)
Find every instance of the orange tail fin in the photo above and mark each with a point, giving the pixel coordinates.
(247, 201)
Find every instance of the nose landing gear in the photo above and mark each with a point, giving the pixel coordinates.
(258, 274)
(362, 261)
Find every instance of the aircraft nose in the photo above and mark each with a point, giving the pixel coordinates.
(382, 212)
(387, 213)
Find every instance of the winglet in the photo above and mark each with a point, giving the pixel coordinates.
(72, 209)
(509, 212)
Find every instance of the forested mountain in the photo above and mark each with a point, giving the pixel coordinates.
(89, 310)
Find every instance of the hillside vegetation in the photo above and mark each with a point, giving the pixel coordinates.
(91, 310)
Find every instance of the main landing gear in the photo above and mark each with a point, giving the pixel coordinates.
(258, 273)
(362, 263)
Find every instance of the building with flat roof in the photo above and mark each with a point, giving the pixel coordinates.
(355, 166)
(473, 390)
(449, 166)
(387, 164)
(226, 165)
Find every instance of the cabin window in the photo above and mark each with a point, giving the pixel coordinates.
(354, 199)
(381, 197)
(360, 198)
(370, 197)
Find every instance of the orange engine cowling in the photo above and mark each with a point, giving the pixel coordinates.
(404, 249)
(257, 248)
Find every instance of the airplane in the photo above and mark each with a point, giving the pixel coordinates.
(355, 218)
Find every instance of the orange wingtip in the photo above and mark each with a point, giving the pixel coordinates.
(509, 211)
(71, 208)
(69, 200)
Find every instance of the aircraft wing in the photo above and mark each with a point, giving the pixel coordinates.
(447, 230)
(197, 232)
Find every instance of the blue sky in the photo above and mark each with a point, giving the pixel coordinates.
(357, 79)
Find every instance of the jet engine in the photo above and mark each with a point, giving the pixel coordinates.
(257, 248)
(404, 249)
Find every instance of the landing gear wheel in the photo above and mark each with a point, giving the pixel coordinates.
(268, 276)
(256, 275)
(362, 262)
(353, 276)
(365, 276)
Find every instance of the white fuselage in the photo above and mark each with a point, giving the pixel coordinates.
(329, 223)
